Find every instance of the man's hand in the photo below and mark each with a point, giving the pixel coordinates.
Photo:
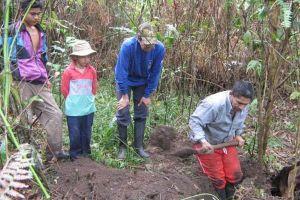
(123, 102)
(145, 101)
(206, 147)
(240, 140)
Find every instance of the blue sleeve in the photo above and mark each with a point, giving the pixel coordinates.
(155, 72)
(121, 69)
(9, 41)
(10, 38)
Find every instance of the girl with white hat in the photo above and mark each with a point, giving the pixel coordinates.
(79, 86)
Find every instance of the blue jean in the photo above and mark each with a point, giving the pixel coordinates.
(80, 130)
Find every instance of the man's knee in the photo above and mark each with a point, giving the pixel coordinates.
(141, 113)
(236, 177)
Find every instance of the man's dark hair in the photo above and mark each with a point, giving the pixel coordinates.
(243, 88)
(26, 3)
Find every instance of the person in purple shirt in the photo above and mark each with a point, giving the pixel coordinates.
(138, 71)
(28, 67)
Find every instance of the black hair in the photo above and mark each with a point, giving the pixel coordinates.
(243, 88)
(26, 3)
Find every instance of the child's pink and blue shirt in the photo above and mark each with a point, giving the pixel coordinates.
(79, 89)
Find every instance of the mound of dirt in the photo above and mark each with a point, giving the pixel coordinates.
(162, 177)
(163, 136)
(86, 179)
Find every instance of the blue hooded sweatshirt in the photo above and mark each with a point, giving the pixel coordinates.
(136, 67)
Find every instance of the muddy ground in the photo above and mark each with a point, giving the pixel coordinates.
(163, 177)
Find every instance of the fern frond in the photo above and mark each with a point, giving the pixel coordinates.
(23, 177)
(14, 194)
(286, 9)
(7, 177)
(15, 171)
(18, 185)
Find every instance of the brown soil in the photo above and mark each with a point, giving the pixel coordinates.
(163, 177)
(86, 179)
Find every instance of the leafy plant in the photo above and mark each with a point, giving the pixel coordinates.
(15, 172)
(286, 8)
(295, 95)
(6, 87)
(256, 66)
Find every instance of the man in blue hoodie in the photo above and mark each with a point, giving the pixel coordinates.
(138, 71)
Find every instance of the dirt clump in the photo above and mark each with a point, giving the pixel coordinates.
(163, 136)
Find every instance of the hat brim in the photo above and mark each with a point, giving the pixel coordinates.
(83, 52)
(149, 40)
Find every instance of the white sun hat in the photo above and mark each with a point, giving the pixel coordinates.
(82, 48)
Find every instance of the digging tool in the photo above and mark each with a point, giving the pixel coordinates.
(187, 151)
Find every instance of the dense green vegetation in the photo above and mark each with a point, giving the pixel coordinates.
(210, 44)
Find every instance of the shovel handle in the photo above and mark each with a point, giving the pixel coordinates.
(187, 151)
(219, 146)
(226, 144)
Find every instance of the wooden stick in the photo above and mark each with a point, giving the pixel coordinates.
(188, 151)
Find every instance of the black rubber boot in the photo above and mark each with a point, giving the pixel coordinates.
(123, 141)
(139, 131)
(221, 193)
(230, 190)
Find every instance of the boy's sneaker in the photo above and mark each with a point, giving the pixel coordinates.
(62, 155)
(54, 157)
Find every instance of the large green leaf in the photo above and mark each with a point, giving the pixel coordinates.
(256, 66)
(170, 2)
(247, 38)
(286, 9)
(262, 13)
(16, 95)
(295, 95)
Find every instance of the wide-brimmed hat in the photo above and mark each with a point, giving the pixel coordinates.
(146, 34)
(82, 48)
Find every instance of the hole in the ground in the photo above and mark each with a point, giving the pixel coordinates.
(284, 180)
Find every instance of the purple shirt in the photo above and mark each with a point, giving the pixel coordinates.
(31, 68)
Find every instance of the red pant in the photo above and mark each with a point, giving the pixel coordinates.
(221, 167)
